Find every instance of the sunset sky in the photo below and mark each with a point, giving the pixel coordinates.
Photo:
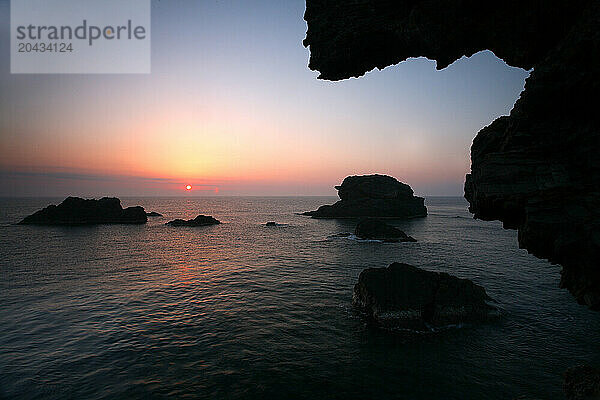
(231, 107)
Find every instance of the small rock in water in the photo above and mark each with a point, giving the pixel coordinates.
(200, 220)
(271, 223)
(376, 229)
(406, 297)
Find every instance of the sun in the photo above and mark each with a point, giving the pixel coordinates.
(188, 187)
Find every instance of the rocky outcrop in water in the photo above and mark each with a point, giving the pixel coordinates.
(78, 211)
(538, 169)
(582, 383)
(406, 297)
(154, 214)
(200, 220)
(377, 196)
(376, 229)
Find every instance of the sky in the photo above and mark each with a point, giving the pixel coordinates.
(231, 108)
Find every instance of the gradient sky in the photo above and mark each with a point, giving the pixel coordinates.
(231, 107)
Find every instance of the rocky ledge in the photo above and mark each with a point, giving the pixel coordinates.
(200, 220)
(376, 229)
(78, 211)
(377, 196)
(538, 169)
(405, 297)
(154, 214)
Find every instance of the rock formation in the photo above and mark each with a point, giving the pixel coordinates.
(154, 214)
(200, 220)
(271, 223)
(538, 169)
(406, 297)
(376, 229)
(378, 196)
(78, 211)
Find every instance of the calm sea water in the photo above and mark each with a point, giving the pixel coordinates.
(241, 310)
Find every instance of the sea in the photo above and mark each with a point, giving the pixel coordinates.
(245, 311)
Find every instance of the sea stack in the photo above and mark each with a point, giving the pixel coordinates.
(378, 196)
(78, 211)
(405, 297)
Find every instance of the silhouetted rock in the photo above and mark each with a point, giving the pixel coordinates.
(378, 196)
(271, 223)
(403, 296)
(154, 214)
(582, 383)
(372, 228)
(200, 220)
(78, 211)
(538, 169)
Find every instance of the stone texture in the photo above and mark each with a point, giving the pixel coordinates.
(538, 169)
(78, 211)
(378, 196)
(403, 296)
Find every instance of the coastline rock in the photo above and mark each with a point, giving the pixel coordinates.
(582, 383)
(376, 229)
(538, 169)
(406, 297)
(379, 196)
(154, 214)
(200, 220)
(78, 211)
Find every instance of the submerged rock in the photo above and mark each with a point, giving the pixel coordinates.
(376, 229)
(200, 220)
(582, 383)
(154, 214)
(406, 297)
(78, 211)
(378, 196)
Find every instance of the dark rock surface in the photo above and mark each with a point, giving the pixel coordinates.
(200, 220)
(403, 296)
(538, 169)
(376, 229)
(582, 383)
(271, 223)
(378, 196)
(78, 211)
(349, 38)
(154, 214)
